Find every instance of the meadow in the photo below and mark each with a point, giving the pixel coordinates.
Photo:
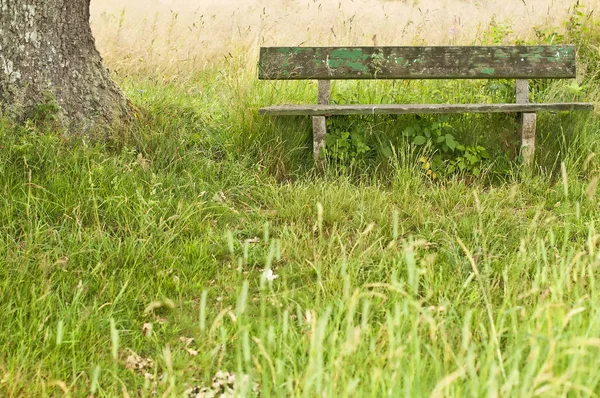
(198, 251)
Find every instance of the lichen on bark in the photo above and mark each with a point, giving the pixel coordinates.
(47, 50)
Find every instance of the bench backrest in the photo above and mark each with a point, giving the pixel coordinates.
(453, 62)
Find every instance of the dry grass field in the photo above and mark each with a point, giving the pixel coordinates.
(178, 31)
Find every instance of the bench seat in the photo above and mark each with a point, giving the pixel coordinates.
(407, 109)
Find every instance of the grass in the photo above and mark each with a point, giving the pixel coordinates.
(118, 250)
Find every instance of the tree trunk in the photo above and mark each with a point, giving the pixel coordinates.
(48, 55)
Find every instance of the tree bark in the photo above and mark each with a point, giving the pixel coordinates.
(48, 53)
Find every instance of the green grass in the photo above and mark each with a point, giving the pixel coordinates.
(388, 284)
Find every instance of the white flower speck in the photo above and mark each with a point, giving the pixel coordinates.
(270, 275)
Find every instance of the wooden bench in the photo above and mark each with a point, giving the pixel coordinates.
(495, 62)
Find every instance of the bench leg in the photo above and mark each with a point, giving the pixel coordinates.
(527, 122)
(320, 122)
(319, 131)
(527, 127)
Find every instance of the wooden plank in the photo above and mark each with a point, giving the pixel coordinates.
(324, 96)
(405, 109)
(522, 91)
(527, 123)
(320, 122)
(454, 62)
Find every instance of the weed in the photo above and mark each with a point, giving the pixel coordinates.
(45, 114)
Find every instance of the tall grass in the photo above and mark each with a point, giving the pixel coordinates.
(203, 221)
(173, 38)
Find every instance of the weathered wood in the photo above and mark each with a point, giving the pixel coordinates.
(493, 62)
(527, 123)
(405, 109)
(522, 91)
(528, 127)
(324, 92)
(320, 122)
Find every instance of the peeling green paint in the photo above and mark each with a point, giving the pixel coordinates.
(349, 53)
(353, 59)
(348, 58)
(533, 57)
(521, 62)
(499, 54)
(401, 62)
(357, 66)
